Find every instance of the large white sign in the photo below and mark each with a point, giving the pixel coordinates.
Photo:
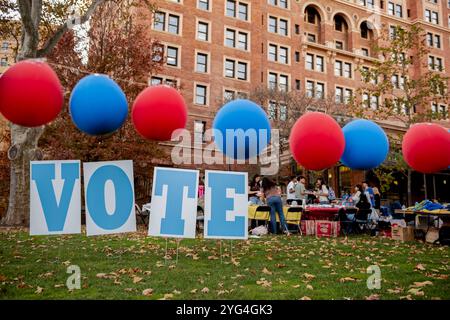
(109, 195)
(226, 205)
(55, 197)
(174, 203)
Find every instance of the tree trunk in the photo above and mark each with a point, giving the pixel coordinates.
(409, 187)
(24, 148)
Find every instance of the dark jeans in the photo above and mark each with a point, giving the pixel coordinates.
(276, 205)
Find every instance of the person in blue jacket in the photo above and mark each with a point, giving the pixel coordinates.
(368, 190)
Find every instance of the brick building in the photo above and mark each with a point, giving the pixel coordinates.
(217, 50)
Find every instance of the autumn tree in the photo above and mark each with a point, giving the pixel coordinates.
(43, 25)
(401, 86)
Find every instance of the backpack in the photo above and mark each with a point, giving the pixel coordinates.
(444, 236)
(331, 194)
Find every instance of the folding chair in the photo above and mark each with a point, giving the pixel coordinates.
(294, 217)
(263, 216)
(361, 220)
(143, 216)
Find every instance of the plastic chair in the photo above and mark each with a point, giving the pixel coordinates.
(294, 217)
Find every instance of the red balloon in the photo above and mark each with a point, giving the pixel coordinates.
(426, 147)
(316, 141)
(158, 111)
(30, 94)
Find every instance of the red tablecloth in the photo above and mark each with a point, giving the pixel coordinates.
(318, 213)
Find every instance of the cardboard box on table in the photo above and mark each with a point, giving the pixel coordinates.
(328, 229)
(402, 234)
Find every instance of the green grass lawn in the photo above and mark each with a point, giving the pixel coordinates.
(124, 266)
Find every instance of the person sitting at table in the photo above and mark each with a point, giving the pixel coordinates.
(321, 191)
(254, 189)
(291, 188)
(272, 194)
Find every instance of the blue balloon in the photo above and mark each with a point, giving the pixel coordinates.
(366, 145)
(253, 136)
(98, 105)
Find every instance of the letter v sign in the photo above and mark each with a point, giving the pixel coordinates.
(55, 197)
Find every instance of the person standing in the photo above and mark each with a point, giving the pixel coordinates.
(369, 192)
(300, 189)
(291, 188)
(272, 193)
(377, 198)
(322, 191)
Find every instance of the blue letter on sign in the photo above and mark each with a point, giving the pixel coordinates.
(55, 212)
(172, 223)
(218, 226)
(95, 197)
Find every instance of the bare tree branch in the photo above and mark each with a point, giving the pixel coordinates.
(53, 40)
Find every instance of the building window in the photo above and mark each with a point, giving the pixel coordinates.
(347, 70)
(431, 16)
(365, 52)
(172, 56)
(203, 5)
(202, 63)
(5, 46)
(158, 80)
(236, 69)
(4, 62)
(278, 54)
(229, 95)
(278, 25)
(240, 43)
(272, 110)
(339, 45)
(315, 89)
(201, 92)
(315, 62)
(166, 22)
(279, 3)
(278, 81)
(277, 111)
(311, 37)
(435, 63)
(237, 9)
(339, 95)
(434, 40)
(199, 131)
(203, 31)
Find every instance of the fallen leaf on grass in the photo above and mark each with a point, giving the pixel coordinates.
(264, 283)
(373, 297)
(309, 287)
(205, 290)
(39, 290)
(266, 271)
(146, 292)
(346, 279)
(137, 279)
(305, 298)
(421, 284)
(416, 292)
(395, 291)
(194, 291)
(309, 276)
(420, 267)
